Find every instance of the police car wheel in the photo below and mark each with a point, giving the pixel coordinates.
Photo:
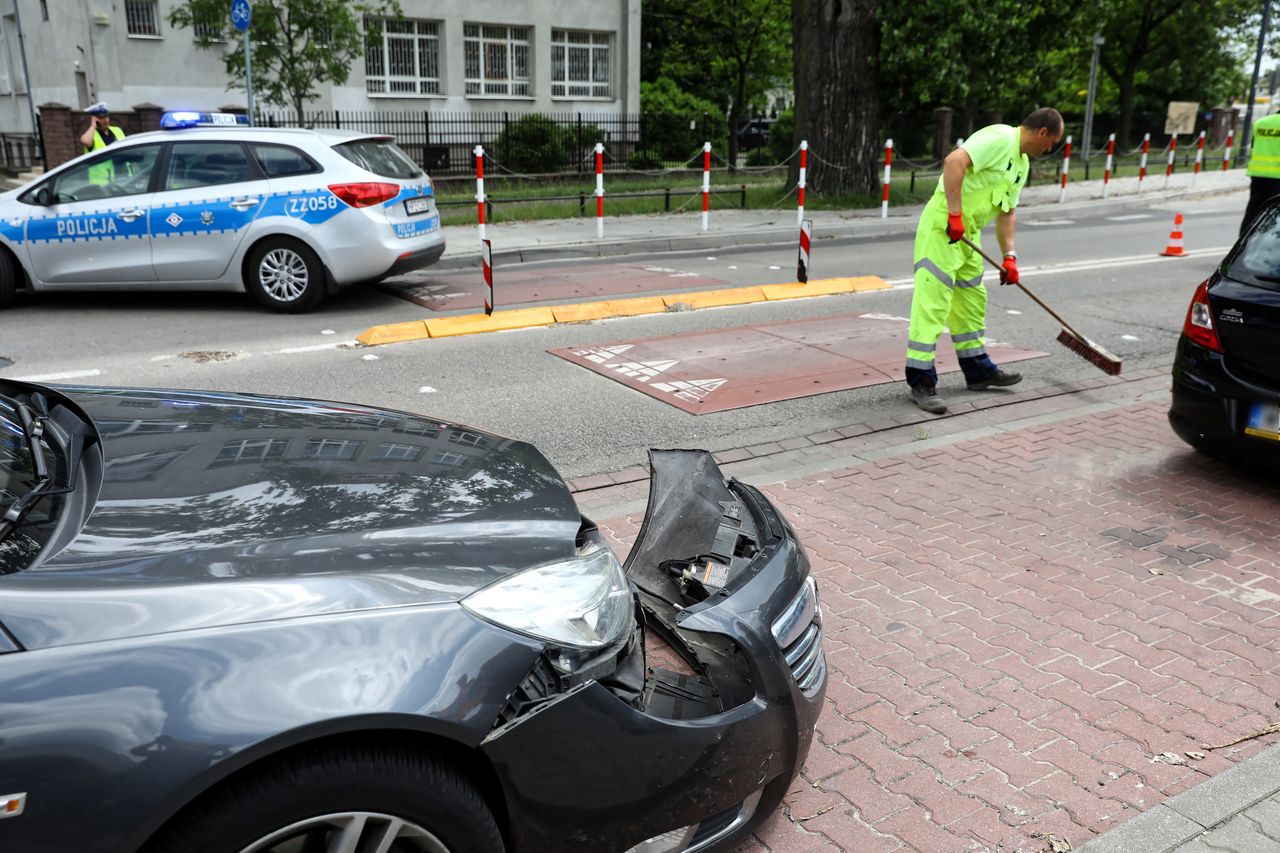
(284, 275)
(8, 281)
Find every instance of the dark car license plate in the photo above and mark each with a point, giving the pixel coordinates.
(1264, 421)
(414, 206)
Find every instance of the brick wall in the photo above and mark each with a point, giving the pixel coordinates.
(61, 126)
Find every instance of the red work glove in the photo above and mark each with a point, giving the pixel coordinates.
(1009, 270)
(955, 226)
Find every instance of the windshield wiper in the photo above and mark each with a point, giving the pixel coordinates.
(33, 429)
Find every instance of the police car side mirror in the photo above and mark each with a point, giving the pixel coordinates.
(43, 196)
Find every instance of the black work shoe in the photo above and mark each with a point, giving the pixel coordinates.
(926, 397)
(999, 379)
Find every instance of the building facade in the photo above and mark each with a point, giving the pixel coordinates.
(458, 56)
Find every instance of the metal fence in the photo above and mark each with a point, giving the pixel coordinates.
(528, 143)
(18, 151)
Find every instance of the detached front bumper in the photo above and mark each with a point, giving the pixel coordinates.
(702, 756)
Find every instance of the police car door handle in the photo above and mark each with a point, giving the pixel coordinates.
(130, 214)
(245, 203)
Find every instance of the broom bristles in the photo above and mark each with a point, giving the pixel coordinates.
(1090, 352)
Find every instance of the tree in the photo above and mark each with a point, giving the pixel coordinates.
(730, 53)
(297, 44)
(836, 49)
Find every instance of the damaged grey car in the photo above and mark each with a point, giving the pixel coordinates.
(243, 624)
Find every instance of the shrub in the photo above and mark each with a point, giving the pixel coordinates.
(780, 143)
(535, 143)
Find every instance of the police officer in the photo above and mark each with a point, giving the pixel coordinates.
(100, 134)
(1264, 166)
(981, 180)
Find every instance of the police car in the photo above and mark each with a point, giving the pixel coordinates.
(209, 203)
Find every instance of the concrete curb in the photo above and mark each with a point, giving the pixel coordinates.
(1179, 819)
(577, 312)
(869, 226)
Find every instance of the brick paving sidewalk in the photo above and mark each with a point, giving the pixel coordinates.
(1018, 623)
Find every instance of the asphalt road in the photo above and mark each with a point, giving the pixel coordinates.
(1103, 273)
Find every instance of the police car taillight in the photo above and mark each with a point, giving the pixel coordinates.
(366, 193)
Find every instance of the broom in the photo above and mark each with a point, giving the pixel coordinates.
(1068, 337)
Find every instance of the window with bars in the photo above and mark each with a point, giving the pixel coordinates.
(397, 452)
(496, 60)
(331, 448)
(208, 28)
(142, 18)
(407, 62)
(580, 64)
(248, 450)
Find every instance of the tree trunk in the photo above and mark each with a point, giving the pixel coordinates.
(1123, 130)
(836, 46)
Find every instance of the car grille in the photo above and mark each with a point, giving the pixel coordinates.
(805, 659)
(798, 631)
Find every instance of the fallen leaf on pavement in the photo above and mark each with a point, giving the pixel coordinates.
(1169, 758)
(1196, 754)
(1155, 571)
(1059, 845)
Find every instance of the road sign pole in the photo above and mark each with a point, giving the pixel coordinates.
(241, 17)
(248, 77)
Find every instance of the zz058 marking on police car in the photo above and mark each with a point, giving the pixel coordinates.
(312, 207)
(300, 206)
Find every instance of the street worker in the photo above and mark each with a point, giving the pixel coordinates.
(100, 134)
(981, 180)
(1264, 167)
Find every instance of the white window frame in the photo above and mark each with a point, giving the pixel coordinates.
(596, 42)
(512, 41)
(380, 82)
(393, 452)
(6, 68)
(333, 449)
(138, 5)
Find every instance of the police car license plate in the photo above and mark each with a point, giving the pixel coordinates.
(414, 206)
(1264, 421)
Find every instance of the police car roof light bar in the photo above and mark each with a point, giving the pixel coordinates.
(191, 118)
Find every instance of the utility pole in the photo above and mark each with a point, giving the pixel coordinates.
(1246, 138)
(1098, 42)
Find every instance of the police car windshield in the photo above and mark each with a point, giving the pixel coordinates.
(380, 156)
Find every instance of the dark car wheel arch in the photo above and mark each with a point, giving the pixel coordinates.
(470, 765)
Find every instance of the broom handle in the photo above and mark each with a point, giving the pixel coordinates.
(1034, 298)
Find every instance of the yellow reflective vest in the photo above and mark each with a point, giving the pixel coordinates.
(103, 173)
(1264, 153)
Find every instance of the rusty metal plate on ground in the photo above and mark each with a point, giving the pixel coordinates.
(464, 289)
(725, 369)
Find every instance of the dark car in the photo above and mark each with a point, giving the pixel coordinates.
(1226, 375)
(755, 133)
(242, 624)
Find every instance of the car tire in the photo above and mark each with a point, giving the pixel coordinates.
(8, 280)
(284, 275)
(317, 795)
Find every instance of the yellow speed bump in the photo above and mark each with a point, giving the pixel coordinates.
(394, 333)
(716, 298)
(580, 311)
(470, 324)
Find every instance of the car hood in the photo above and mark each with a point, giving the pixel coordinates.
(217, 509)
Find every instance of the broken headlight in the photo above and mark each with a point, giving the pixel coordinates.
(583, 602)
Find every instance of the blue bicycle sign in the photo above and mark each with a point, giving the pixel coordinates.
(241, 14)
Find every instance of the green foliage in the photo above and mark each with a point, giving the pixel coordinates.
(676, 123)
(644, 160)
(536, 144)
(781, 143)
(297, 44)
(761, 157)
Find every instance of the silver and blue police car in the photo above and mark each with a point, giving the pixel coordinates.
(210, 203)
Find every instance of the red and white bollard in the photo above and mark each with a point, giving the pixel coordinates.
(1199, 156)
(479, 152)
(888, 167)
(1226, 157)
(599, 190)
(1106, 175)
(1142, 164)
(706, 182)
(804, 167)
(486, 257)
(1173, 151)
(806, 237)
(1066, 169)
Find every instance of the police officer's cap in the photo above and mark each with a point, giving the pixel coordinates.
(98, 109)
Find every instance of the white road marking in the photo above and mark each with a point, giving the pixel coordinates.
(161, 357)
(1043, 222)
(328, 332)
(1084, 266)
(1129, 338)
(369, 357)
(58, 377)
(710, 258)
(1013, 312)
(426, 389)
(1129, 216)
(775, 268)
(732, 267)
(312, 348)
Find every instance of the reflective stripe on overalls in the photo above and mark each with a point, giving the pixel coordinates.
(949, 293)
(103, 173)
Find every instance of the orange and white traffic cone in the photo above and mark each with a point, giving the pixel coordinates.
(1174, 249)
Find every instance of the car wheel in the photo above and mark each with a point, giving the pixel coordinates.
(284, 275)
(356, 798)
(8, 280)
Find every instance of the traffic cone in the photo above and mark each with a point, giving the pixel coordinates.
(1174, 249)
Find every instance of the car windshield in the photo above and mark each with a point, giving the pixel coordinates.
(380, 156)
(1258, 262)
